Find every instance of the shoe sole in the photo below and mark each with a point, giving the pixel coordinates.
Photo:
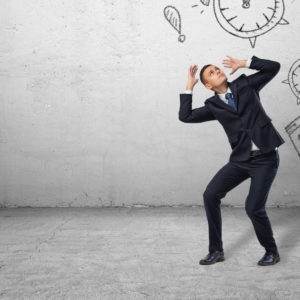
(203, 262)
(269, 264)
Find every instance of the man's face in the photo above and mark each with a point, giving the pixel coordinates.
(213, 77)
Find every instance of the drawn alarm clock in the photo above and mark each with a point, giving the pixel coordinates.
(294, 79)
(249, 19)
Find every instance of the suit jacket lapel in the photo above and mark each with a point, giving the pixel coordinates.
(220, 102)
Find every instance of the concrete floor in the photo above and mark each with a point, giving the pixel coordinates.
(142, 253)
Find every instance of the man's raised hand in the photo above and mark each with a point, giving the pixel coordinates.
(192, 80)
(233, 63)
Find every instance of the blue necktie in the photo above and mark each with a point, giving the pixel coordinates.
(230, 100)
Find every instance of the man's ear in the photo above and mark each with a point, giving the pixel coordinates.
(208, 86)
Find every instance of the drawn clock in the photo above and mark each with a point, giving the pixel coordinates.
(294, 79)
(249, 18)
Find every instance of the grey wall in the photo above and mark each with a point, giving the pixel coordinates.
(90, 97)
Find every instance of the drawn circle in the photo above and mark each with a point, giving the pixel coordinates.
(247, 22)
(293, 78)
(181, 38)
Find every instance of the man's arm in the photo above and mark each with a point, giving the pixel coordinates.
(267, 71)
(189, 115)
(186, 113)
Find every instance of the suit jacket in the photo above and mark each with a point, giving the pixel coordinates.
(249, 121)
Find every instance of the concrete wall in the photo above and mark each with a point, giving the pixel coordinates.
(90, 97)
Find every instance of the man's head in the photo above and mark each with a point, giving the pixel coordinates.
(212, 77)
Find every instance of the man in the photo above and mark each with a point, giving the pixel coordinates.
(253, 139)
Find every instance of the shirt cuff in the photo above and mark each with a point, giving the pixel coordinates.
(248, 62)
(188, 92)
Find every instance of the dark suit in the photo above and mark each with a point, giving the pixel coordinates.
(250, 121)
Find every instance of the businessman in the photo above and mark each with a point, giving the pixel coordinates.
(254, 142)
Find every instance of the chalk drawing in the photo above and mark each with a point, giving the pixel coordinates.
(293, 131)
(172, 15)
(249, 19)
(294, 79)
(204, 2)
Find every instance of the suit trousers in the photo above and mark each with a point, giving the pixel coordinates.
(262, 170)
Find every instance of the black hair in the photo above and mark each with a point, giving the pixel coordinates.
(201, 72)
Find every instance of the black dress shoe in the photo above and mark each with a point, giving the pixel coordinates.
(212, 258)
(270, 258)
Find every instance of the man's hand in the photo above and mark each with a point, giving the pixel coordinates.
(234, 63)
(191, 77)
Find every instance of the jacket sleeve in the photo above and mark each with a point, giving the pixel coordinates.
(267, 70)
(189, 115)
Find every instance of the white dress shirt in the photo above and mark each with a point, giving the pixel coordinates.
(222, 97)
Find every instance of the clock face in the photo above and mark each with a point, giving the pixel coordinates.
(294, 78)
(248, 18)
